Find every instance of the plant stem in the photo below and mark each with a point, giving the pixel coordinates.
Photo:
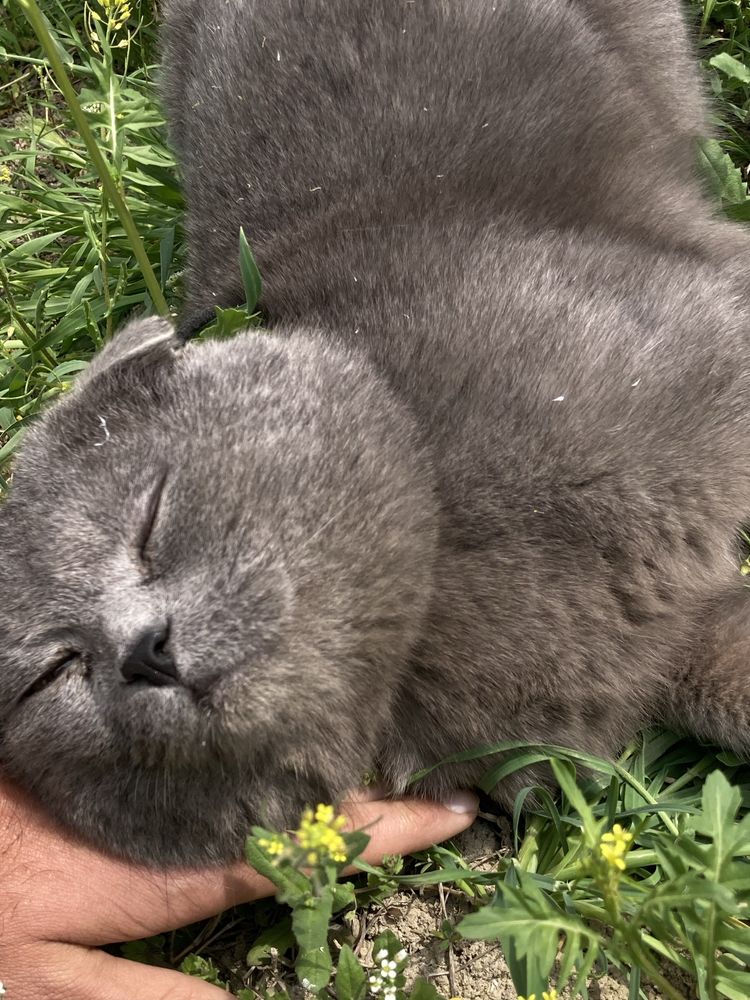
(634, 859)
(648, 966)
(644, 793)
(693, 772)
(35, 18)
(528, 854)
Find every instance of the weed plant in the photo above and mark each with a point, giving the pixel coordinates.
(641, 864)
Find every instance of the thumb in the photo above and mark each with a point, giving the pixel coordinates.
(406, 825)
(65, 970)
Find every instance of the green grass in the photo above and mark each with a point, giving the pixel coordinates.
(70, 274)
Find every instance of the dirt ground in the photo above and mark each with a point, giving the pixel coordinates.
(470, 970)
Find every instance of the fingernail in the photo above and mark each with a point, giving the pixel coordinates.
(462, 802)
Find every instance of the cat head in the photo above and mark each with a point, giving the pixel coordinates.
(215, 559)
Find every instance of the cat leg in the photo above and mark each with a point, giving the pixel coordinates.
(710, 696)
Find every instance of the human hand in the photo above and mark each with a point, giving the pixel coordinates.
(60, 899)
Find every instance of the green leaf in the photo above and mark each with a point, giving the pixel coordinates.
(387, 941)
(310, 921)
(227, 323)
(344, 896)
(740, 213)
(278, 938)
(565, 775)
(356, 842)
(529, 926)
(721, 173)
(501, 771)
(720, 804)
(30, 248)
(351, 978)
(634, 984)
(148, 952)
(202, 968)
(293, 887)
(250, 273)
(729, 990)
(66, 368)
(731, 66)
(10, 446)
(424, 990)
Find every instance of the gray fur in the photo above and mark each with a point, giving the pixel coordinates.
(481, 480)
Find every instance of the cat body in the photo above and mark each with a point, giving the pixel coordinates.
(480, 480)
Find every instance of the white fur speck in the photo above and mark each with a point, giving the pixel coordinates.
(100, 444)
(636, 383)
(558, 399)
(278, 56)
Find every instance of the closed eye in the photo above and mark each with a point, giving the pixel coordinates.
(148, 523)
(59, 665)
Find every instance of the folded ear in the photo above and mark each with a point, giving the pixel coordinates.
(149, 339)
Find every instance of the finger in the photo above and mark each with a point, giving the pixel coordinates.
(408, 825)
(62, 970)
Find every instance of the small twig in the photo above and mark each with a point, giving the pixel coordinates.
(16, 80)
(203, 939)
(451, 958)
(362, 933)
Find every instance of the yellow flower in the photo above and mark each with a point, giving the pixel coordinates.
(324, 814)
(550, 994)
(319, 835)
(117, 11)
(531, 996)
(614, 845)
(6, 175)
(116, 15)
(274, 845)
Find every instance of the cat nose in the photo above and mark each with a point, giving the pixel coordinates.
(149, 659)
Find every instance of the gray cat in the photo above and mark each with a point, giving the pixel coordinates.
(481, 479)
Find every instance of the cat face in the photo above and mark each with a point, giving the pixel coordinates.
(207, 572)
